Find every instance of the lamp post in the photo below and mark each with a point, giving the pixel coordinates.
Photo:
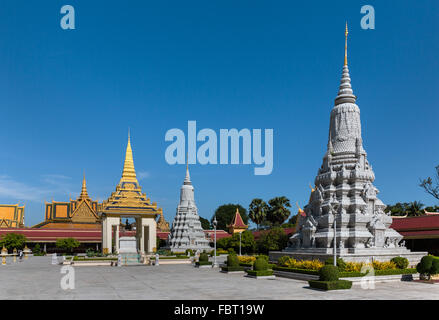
(214, 250)
(240, 243)
(335, 241)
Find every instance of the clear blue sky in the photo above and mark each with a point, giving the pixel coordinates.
(69, 96)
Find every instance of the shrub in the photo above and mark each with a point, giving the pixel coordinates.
(190, 251)
(259, 273)
(203, 257)
(341, 264)
(232, 260)
(330, 285)
(232, 268)
(203, 263)
(377, 265)
(400, 262)
(246, 259)
(90, 252)
(306, 264)
(282, 261)
(231, 251)
(329, 273)
(428, 266)
(260, 264)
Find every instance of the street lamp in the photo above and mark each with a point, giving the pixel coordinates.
(335, 240)
(240, 243)
(214, 231)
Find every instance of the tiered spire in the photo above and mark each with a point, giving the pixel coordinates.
(187, 179)
(345, 93)
(84, 193)
(128, 173)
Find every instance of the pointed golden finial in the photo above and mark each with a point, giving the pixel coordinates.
(84, 193)
(346, 45)
(128, 173)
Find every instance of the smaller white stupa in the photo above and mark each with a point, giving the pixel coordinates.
(186, 232)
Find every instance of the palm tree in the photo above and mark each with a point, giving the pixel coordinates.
(415, 208)
(278, 210)
(258, 211)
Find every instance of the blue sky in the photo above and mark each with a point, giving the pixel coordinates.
(68, 97)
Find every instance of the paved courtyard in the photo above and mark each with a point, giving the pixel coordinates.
(36, 278)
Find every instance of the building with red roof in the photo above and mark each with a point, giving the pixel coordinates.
(420, 233)
(237, 224)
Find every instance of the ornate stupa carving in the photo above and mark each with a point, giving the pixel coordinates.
(344, 191)
(128, 197)
(186, 231)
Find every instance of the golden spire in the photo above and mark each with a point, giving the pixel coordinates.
(129, 173)
(346, 45)
(84, 193)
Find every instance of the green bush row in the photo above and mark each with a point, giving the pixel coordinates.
(330, 285)
(260, 273)
(304, 271)
(232, 268)
(203, 263)
(349, 274)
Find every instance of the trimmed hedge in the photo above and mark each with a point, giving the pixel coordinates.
(242, 264)
(261, 264)
(330, 285)
(349, 274)
(232, 268)
(304, 271)
(203, 263)
(329, 273)
(401, 262)
(259, 273)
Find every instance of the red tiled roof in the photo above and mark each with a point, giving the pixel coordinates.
(417, 227)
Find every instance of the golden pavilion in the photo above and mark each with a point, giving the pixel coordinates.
(75, 214)
(128, 201)
(11, 216)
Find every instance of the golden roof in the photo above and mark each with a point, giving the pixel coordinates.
(128, 197)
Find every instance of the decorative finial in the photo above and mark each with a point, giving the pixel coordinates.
(346, 45)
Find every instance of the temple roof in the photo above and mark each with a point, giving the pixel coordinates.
(237, 221)
(128, 197)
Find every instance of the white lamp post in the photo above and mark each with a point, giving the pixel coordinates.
(335, 241)
(240, 243)
(214, 250)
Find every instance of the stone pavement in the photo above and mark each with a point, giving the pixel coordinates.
(36, 278)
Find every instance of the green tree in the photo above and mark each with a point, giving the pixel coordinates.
(415, 209)
(248, 243)
(272, 240)
(398, 209)
(225, 214)
(430, 186)
(258, 211)
(13, 240)
(205, 224)
(278, 210)
(67, 244)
